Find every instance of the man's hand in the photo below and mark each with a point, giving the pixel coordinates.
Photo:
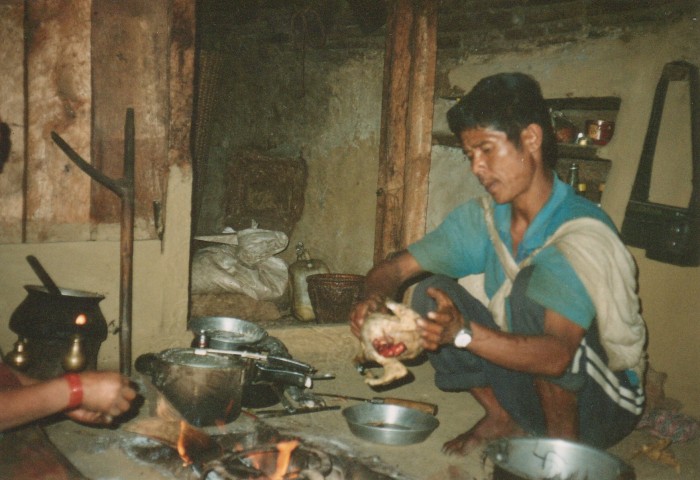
(105, 395)
(442, 325)
(381, 282)
(362, 309)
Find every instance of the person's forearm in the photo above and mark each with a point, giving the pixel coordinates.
(385, 279)
(538, 355)
(382, 281)
(20, 405)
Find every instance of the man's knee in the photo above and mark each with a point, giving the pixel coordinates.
(423, 303)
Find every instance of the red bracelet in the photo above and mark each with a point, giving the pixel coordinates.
(76, 390)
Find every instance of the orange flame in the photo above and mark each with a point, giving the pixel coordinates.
(181, 441)
(81, 319)
(263, 460)
(193, 443)
(285, 450)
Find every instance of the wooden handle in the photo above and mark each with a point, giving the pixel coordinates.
(43, 275)
(429, 408)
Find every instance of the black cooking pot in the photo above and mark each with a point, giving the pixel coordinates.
(49, 320)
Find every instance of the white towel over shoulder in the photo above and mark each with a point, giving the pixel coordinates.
(607, 271)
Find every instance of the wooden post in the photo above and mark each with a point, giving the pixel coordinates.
(420, 123)
(406, 126)
(126, 257)
(392, 141)
(124, 188)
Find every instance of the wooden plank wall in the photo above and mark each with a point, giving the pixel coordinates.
(87, 62)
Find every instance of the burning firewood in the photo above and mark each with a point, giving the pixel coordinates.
(193, 444)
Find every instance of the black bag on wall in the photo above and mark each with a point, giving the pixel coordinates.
(669, 234)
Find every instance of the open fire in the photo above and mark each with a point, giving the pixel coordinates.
(259, 453)
(285, 460)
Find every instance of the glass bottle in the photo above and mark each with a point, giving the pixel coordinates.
(298, 271)
(572, 178)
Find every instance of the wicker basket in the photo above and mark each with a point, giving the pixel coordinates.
(333, 294)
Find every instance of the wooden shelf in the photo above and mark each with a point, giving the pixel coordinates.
(593, 170)
(585, 103)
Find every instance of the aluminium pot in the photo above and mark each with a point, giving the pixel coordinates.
(205, 389)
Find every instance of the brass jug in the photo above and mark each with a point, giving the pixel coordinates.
(18, 357)
(75, 360)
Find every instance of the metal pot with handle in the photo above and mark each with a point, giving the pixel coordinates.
(204, 389)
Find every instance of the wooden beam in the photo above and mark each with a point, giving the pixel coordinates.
(420, 123)
(406, 126)
(392, 144)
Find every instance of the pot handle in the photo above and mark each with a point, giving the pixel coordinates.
(146, 363)
(266, 373)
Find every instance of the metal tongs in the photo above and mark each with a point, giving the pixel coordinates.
(287, 370)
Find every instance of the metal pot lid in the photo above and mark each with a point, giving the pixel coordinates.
(227, 331)
(189, 358)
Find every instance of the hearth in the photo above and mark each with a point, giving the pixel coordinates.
(261, 453)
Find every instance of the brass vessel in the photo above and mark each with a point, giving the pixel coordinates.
(18, 357)
(75, 360)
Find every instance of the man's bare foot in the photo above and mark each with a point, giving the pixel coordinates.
(485, 430)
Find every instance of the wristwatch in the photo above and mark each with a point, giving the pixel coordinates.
(463, 338)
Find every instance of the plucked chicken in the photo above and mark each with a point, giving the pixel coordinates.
(389, 339)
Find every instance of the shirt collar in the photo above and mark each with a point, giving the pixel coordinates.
(536, 234)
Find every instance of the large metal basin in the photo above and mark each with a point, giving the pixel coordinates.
(547, 458)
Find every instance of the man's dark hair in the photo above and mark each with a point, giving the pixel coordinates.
(507, 102)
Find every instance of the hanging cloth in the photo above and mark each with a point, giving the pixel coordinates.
(668, 234)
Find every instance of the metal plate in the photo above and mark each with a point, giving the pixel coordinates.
(227, 332)
(389, 424)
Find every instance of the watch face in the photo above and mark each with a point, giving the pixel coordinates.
(463, 338)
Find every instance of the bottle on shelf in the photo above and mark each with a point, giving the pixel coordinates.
(573, 177)
(581, 188)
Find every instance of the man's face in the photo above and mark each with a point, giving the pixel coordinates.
(504, 170)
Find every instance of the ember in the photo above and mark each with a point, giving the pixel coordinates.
(193, 444)
(262, 453)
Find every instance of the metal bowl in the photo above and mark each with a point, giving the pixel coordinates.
(389, 424)
(226, 333)
(540, 458)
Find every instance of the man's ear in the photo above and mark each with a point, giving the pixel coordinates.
(531, 138)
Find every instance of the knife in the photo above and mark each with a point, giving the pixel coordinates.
(296, 411)
(429, 408)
